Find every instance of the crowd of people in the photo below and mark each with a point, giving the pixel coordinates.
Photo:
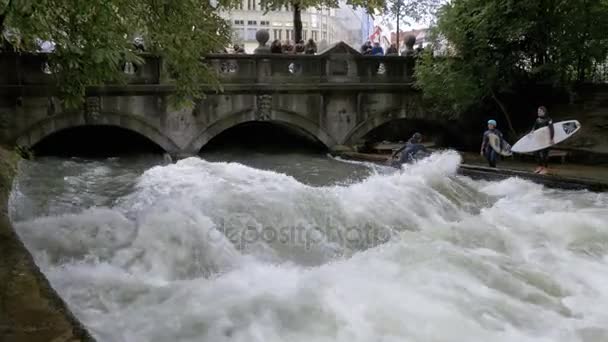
(310, 48)
(288, 47)
(376, 49)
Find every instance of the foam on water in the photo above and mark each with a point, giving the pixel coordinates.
(202, 251)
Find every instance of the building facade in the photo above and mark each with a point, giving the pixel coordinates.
(324, 26)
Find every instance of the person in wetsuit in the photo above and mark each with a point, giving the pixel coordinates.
(542, 156)
(486, 150)
(408, 151)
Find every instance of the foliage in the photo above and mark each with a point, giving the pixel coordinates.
(449, 82)
(415, 10)
(500, 44)
(298, 5)
(94, 38)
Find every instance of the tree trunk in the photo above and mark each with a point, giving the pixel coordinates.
(297, 22)
(3, 17)
(505, 112)
(398, 32)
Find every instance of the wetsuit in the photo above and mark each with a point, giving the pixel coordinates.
(408, 152)
(487, 150)
(542, 156)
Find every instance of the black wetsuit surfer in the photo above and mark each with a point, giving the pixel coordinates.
(542, 156)
(409, 151)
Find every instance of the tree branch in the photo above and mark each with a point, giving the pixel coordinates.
(504, 111)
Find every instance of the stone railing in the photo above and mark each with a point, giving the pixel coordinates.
(279, 68)
(267, 69)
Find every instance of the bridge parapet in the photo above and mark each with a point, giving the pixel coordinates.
(334, 66)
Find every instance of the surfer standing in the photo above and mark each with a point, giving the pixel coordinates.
(542, 156)
(486, 149)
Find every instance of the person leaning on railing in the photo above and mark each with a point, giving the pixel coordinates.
(311, 47)
(300, 48)
(276, 47)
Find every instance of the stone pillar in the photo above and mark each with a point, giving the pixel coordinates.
(262, 37)
(263, 67)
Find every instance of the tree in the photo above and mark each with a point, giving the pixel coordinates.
(299, 5)
(502, 44)
(416, 10)
(94, 38)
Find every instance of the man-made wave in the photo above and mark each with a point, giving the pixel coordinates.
(212, 251)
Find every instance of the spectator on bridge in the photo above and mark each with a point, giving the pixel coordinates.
(366, 48)
(275, 47)
(377, 50)
(238, 49)
(392, 50)
(310, 47)
(300, 49)
(288, 47)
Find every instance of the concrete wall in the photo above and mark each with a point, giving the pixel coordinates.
(30, 310)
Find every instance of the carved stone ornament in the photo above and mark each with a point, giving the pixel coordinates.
(50, 108)
(264, 107)
(93, 108)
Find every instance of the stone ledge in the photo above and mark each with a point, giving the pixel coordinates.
(228, 88)
(30, 310)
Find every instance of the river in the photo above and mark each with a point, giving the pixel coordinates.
(299, 247)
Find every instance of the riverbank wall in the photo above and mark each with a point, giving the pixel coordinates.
(495, 174)
(30, 310)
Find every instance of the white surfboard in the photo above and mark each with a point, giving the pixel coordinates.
(504, 149)
(541, 139)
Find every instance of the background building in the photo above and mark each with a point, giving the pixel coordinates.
(326, 26)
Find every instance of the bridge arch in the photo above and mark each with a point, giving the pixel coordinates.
(389, 115)
(44, 128)
(282, 117)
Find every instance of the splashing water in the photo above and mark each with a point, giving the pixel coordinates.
(212, 251)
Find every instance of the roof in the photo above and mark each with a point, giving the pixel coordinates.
(340, 48)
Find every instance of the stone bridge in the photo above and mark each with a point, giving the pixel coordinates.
(336, 97)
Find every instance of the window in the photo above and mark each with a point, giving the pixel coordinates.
(240, 5)
(277, 34)
(265, 23)
(239, 22)
(251, 5)
(304, 35)
(324, 26)
(289, 35)
(251, 33)
(239, 33)
(252, 22)
(324, 36)
(315, 35)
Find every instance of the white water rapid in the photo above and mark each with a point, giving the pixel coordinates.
(212, 251)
